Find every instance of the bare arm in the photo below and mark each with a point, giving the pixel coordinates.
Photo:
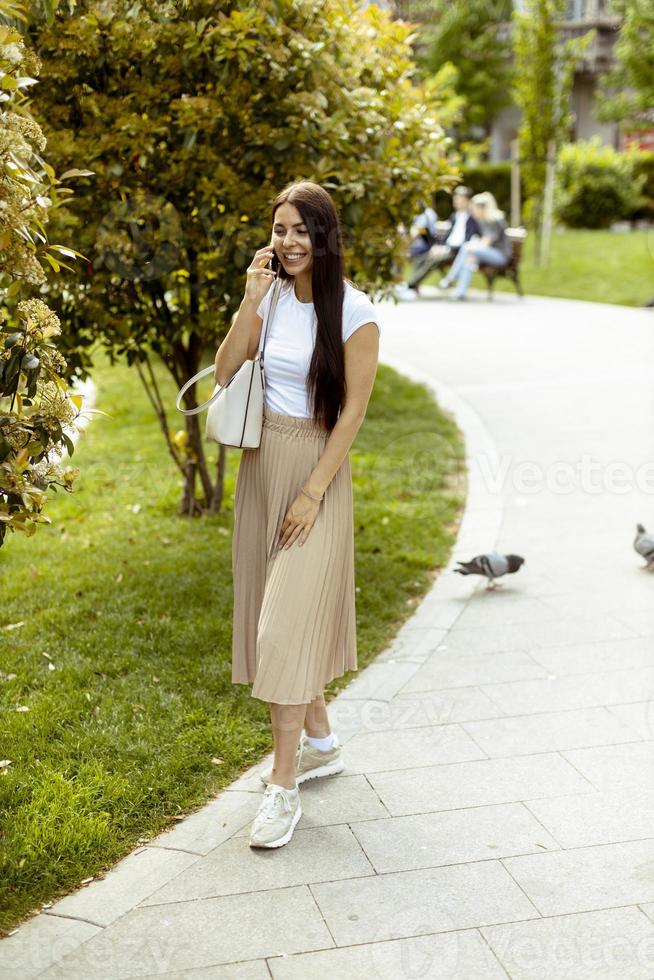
(242, 340)
(361, 357)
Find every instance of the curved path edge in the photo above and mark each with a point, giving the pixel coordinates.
(67, 924)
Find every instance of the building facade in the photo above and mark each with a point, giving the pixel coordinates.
(582, 16)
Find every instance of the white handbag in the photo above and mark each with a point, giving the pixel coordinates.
(236, 418)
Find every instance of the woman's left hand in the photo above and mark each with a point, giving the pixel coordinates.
(300, 518)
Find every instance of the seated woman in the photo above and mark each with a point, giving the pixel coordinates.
(492, 248)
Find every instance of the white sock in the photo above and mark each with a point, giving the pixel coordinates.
(324, 744)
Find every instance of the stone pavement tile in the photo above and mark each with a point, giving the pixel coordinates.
(449, 669)
(587, 878)
(460, 955)
(616, 600)
(577, 691)
(599, 818)
(209, 826)
(428, 840)
(416, 711)
(433, 788)
(375, 751)
(195, 935)
(573, 580)
(248, 970)
(580, 658)
(40, 942)
(503, 606)
(411, 903)
(638, 715)
(614, 945)
(526, 636)
(436, 613)
(335, 800)
(613, 767)
(413, 644)
(317, 854)
(549, 732)
(249, 782)
(133, 879)
(641, 621)
(380, 681)
(648, 909)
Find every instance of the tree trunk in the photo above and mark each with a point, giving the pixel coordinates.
(219, 485)
(183, 363)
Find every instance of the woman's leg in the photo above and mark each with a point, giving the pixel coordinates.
(465, 274)
(287, 722)
(456, 266)
(476, 255)
(316, 722)
(489, 255)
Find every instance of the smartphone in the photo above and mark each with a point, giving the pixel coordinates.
(274, 262)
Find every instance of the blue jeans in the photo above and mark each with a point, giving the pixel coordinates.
(470, 256)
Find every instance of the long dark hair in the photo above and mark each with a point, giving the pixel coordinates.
(326, 377)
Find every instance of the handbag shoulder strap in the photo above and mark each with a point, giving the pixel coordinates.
(277, 288)
(208, 370)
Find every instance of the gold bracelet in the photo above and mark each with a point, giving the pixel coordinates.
(310, 495)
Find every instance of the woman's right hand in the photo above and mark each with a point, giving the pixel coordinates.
(259, 276)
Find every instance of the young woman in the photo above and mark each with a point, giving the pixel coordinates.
(492, 248)
(294, 626)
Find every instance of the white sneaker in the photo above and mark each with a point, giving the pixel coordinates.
(275, 820)
(444, 283)
(310, 762)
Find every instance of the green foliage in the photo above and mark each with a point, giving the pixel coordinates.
(194, 118)
(544, 66)
(473, 37)
(35, 405)
(493, 177)
(644, 166)
(626, 92)
(496, 178)
(595, 185)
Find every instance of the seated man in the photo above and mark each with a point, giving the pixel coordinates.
(491, 247)
(462, 227)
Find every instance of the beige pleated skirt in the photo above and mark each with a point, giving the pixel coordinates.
(294, 623)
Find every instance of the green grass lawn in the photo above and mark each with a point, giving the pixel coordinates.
(132, 604)
(600, 266)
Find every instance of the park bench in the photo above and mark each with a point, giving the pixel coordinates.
(512, 269)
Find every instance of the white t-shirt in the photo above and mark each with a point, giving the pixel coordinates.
(290, 341)
(457, 235)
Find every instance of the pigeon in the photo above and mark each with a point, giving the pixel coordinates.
(492, 565)
(644, 545)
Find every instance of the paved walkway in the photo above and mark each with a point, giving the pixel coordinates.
(496, 817)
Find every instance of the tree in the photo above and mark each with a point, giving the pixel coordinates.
(192, 119)
(35, 403)
(626, 92)
(472, 36)
(544, 68)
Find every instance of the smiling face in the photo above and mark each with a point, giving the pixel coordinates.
(291, 240)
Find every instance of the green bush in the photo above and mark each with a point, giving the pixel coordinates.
(493, 177)
(644, 166)
(595, 185)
